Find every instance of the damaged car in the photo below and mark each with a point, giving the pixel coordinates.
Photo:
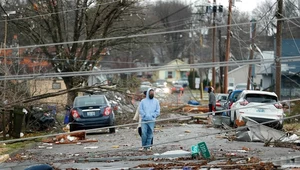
(260, 106)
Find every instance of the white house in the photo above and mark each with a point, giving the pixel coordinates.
(172, 74)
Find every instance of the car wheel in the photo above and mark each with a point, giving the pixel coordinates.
(279, 126)
(234, 120)
(72, 128)
(112, 130)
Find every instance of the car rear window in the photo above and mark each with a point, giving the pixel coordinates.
(90, 101)
(261, 98)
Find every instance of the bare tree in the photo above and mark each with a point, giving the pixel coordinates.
(174, 15)
(67, 23)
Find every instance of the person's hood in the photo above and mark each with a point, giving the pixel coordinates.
(147, 95)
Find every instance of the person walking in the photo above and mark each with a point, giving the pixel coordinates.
(137, 117)
(149, 110)
(211, 103)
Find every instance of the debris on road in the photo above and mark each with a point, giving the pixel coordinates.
(4, 157)
(71, 138)
(91, 147)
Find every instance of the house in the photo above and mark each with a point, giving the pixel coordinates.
(290, 78)
(43, 86)
(172, 74)
(240, 74)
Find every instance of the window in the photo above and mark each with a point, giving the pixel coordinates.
(170, 74)
(56, 85)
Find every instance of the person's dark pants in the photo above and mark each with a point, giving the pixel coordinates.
(211, 107)
(140, 133)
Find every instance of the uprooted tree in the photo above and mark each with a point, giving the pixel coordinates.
(68, 24)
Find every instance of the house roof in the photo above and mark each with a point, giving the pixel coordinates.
(176, 61)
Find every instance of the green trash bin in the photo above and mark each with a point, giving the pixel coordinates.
(18, 117)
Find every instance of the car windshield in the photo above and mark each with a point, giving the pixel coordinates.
(261, 98)
(89, 101)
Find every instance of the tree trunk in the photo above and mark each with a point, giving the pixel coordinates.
(72, 94)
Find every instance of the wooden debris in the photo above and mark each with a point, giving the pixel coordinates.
(70, 138)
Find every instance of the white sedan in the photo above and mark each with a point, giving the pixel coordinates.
(259, 106)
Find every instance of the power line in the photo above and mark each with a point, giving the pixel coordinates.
(145, 69)
(134, 36)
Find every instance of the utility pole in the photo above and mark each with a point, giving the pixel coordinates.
(221, 57)
(227, 47)
(214, 44)
(253, 34)
(278, 48)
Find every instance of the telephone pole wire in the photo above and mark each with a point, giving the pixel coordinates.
(227, 47)
(253, 34)
(278, 48)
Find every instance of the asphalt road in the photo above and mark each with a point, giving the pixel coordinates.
(125, 143)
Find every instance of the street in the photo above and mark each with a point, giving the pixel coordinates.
(113, 151)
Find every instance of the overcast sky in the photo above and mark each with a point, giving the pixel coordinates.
(243, 5)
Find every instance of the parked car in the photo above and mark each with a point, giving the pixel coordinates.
(146, 83)
(260, 106)
(230, 88)
(161, 83)
(241, 86)
(232, 97)
(221, 98)
(144, 88)
(92, 111)
(177, 88)
(184, 82)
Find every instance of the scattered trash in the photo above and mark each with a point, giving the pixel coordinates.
(91, 147)
(195, 151)
(187, 131)
(66, 128)
(41, 147)
(293, 138)
(264, 133)
(219, 121)
(175, 152)
(21, 135)
(115, 146)
(74, 137)
(230, 154)
(49, 147)
(3, 158)
(245, 148)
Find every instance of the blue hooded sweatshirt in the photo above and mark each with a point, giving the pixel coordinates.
(149, 108)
